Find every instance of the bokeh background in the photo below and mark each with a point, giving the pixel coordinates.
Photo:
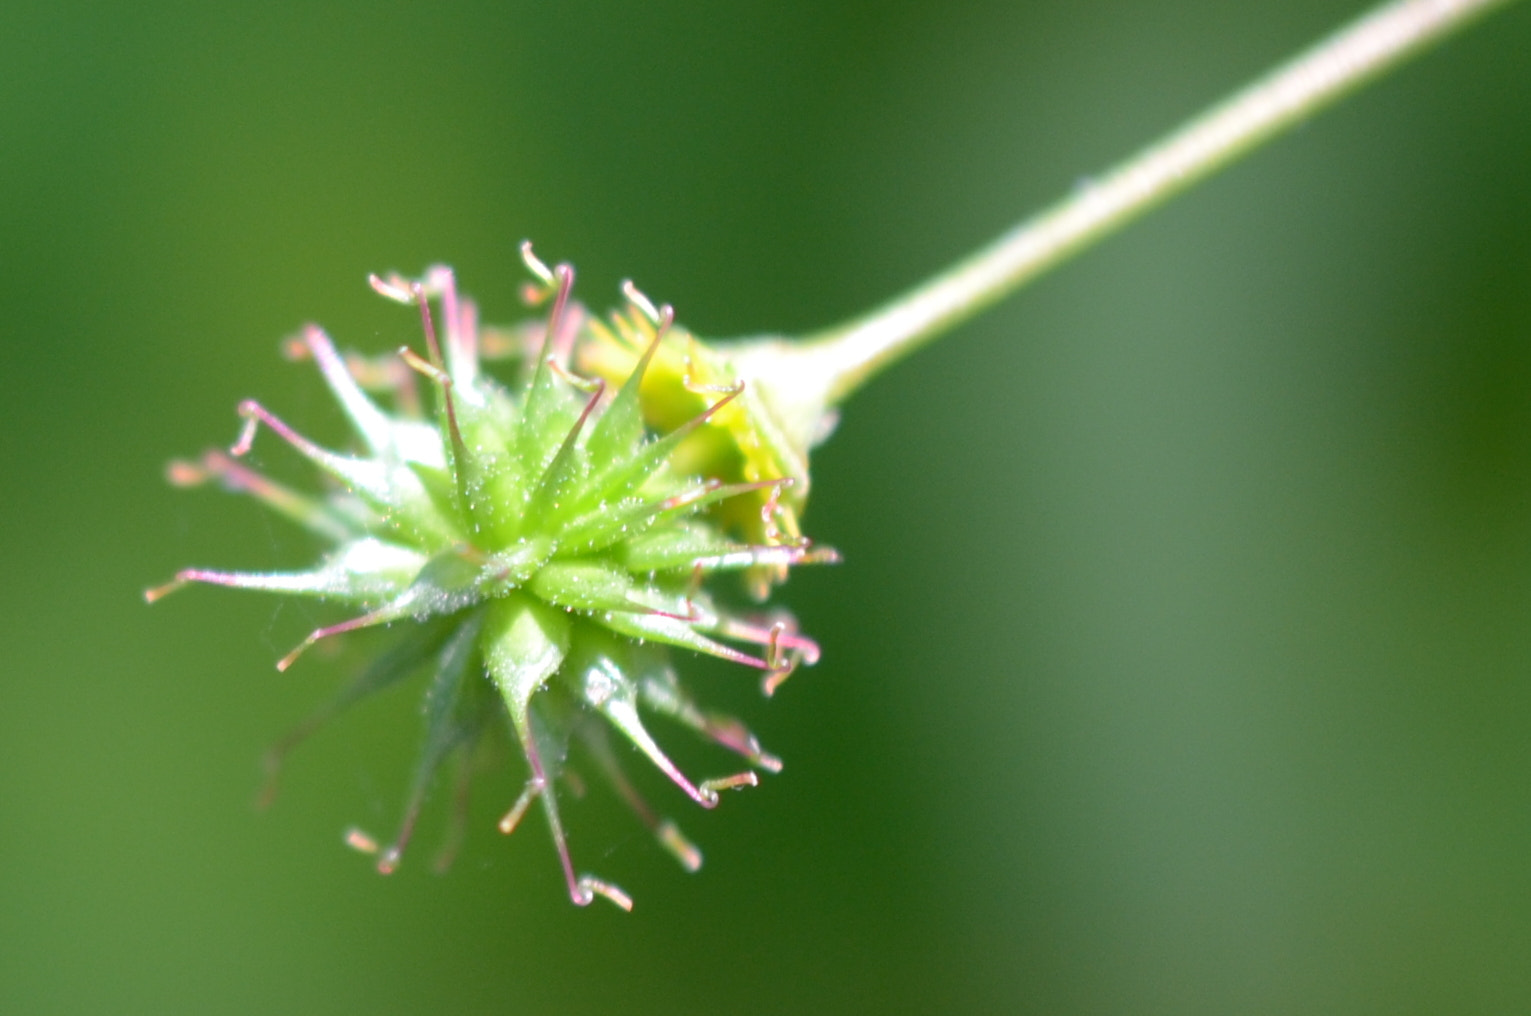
(1180, 661)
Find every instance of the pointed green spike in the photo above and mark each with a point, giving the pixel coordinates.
(601, 667)
(599, 529)
(585, 584)
(679, 546)
(675, 632)
(523, 642)
(568, 468)
(363, 572)
(453, 717)
(403, 658)
(620, 427)
(545, 415)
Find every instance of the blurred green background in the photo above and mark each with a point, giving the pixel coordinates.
(1181, 657)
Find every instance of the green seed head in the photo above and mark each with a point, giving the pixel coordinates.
(544, 546)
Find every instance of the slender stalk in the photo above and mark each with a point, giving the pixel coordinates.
(1377, 42)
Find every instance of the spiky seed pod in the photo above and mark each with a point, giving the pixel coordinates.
(544, 546)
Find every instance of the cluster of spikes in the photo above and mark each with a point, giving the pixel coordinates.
(543, 546)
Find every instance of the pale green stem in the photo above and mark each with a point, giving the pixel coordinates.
(1378, 41)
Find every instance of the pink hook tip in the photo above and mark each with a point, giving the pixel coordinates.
(359, 841)
(534, 264)
(160, 592)
(393, 288)
(388, 861)
(673, 840)
(180, 473)
(589, 888)
(709, 788)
